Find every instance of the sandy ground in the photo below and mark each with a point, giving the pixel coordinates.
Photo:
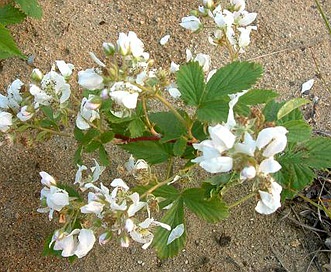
(292, 44)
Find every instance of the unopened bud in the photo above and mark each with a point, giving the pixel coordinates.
(194, 13)
(108, 48)
(94, 103)
(208, 4)
(37, 75)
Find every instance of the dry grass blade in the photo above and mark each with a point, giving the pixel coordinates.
(321, 11)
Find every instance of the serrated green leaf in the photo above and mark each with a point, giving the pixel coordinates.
(214, 111)
(291, 105)
(7, 43)
(271, 109)
(72, 192)
(103, 155)
(30, 8)
(190, 81)
(46, 123)
(168, 125)
(151, 151)
(210, 209)
(22, 128)
(89, 135)
(92, 146)
(10, 15)
(319, 150)
(136, 128)
(173, 217)
(298, 130)
(41, 135)
(257, 96)
(106, 137)
(232, 78)
(198, 131)
(180, 146)
(294, 175)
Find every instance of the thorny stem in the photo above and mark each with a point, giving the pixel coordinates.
(170, 164)
(241, 200)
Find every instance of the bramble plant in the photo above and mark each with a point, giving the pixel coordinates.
(229, 129)
(13, 13)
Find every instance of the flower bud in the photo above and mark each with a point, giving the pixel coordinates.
(108, 48)
(93, 103)
(36, 75)
(208, 4)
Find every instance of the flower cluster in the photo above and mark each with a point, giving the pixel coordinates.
(232, 24)
(231, 149)
(20, 105)
(107, 212)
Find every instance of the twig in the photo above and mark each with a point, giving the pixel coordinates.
(278, 258)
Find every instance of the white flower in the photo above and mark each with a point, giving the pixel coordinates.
(40, 97)
(204, 61)
(104, 238)
(55, 85)
(125, 94)
(24, 114)
(239, 5)
(108, 48)
(164, 39)
(245, 18)
(13, 94)
(231, 122)
(86, 115)
(173, 91)
(137, 204)
(130, 43)
(94, 205)
(90, 79)
(71, 245)
(191, 23)
(47, 179)
(212, 159)
(244, 39)
(64, 68)
(247, 147)
(56, 199)
(273, 140)
(270, 201)
(269, 165)
(224, 20)
(136, 168)
(5, 121)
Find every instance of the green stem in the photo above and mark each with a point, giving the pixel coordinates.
(170, 164)
(241, 200)
(52, 131)
(327, 24)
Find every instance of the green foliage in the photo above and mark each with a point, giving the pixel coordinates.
(291, 105)
(210, 209)
(151, 151)
(31, 8)
(168, 125)
(10, 14)
(190, 80)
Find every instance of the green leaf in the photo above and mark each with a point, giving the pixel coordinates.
(168, 125)
(319, 150)
(30, 8)
(103, 155)
(257, 96)
(173, 217)
(41, 135)
(11, 15)
(151, 151)
(136, 128)
(7, 44)
(79, 135)
(106, 137)
(89, 135)
(291, 105)
(78, 155)
(295, 174)
(271, 109)
(92, 146)
(298, 130)
(72, 192)
(46, 123)
(214, 111)
(180, 146)
(210, 209)
(48, 111)
(232, 78)
(190, 81)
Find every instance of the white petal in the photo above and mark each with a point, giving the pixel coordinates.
(86, 240)
(164, 39)
(177, 232)
(269, 165)
(307, 86)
